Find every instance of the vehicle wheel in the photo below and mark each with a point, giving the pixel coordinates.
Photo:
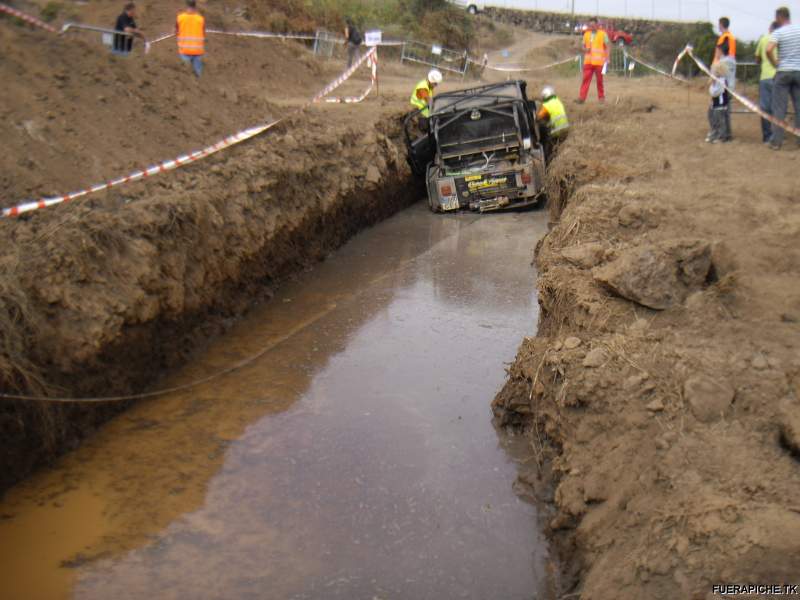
(472, 9)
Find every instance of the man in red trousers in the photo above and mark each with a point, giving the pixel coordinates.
(596, 47)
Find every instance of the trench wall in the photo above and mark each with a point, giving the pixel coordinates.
(126, 292)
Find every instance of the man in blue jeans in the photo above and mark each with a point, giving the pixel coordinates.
(786, 40)
(766, 83)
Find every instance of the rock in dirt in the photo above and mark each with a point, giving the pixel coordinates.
(708, 398)
(790, 430)
(656, 405)
(637, 215)
(657, 275)
(585, 256)
(759, 362)
(373, 175)
(595, 358)
(639, 326)
(572, 342)
(634, 381)
(630, 215)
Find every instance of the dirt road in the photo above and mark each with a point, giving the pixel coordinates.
(355, 459)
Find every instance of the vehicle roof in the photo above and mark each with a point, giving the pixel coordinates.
(479, 96)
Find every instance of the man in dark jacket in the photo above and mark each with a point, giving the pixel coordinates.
(126, 23)
(353, 39)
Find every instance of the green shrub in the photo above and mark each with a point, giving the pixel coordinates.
(428, 20)
(664, 45)
(50, 11)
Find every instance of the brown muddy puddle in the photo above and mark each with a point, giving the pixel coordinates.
(356, 459)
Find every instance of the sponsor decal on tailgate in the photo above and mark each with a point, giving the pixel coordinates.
(482, 184)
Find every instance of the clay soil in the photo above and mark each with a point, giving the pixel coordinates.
(104, 295)
(661, 392)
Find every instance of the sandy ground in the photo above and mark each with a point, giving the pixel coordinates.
(662, 389)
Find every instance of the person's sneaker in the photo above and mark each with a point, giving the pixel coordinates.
(709, 138)
(774, 146)
(579, 101)
(717, 141)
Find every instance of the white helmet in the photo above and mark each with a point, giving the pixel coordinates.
(435, 76)
(548, 92)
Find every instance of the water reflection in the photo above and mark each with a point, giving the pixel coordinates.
(354, 460)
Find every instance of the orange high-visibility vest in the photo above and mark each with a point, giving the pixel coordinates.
(731, 43)
(191, 34)
(595, 44)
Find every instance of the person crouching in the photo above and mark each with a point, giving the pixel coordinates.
(553, 118)
(720, 104)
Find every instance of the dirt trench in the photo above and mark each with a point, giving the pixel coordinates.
(111, 293)
(660, 395)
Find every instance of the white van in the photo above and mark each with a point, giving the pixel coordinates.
(476, 6)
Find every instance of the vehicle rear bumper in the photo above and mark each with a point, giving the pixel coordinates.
(515, 188)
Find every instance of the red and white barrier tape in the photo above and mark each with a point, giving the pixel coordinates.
(654, 68)
(5, 8)
(368, 56)
(186, 159)
(373, 61)
(264, 34)
(516, 69)
(161, 38)
(749, 104)
(678, 60)
(162, 167)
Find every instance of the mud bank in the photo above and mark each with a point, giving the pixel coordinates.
(661, 392)
(103, 297)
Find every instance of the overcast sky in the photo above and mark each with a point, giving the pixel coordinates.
(749, 19)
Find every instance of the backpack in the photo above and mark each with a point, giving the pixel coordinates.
(355, 36)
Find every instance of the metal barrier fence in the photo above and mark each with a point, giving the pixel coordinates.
(325, 43)
(618, 63)
(434, 55)
(114, 40)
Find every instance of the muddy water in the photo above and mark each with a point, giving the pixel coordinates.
(355, 459)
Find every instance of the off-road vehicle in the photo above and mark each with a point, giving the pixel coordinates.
(482, 150)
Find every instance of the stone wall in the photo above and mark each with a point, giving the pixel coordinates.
(548, 22)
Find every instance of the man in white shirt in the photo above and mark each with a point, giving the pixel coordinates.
(786, 40)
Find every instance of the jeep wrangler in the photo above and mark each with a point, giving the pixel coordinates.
(481, 149)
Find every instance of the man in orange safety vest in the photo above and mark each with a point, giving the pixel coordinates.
(190, 29)
(596, 48)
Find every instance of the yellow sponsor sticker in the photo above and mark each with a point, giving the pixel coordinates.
(473, 177)
(487, 183)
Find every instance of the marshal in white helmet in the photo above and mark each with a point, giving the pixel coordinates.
(423, 92)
